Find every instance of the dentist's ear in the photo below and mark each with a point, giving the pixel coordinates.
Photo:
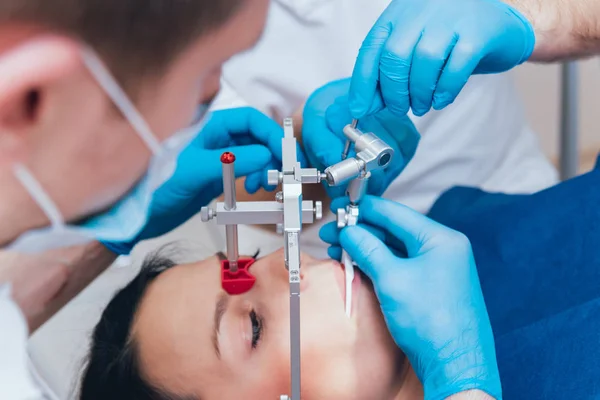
(26, 71)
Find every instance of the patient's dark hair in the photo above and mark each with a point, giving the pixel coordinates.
(135, 37)
(112, 369)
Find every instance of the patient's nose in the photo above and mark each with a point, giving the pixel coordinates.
(278, 267)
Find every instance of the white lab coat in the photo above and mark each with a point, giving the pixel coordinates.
(17, 381)
(481, 140)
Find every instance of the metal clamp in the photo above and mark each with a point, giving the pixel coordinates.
(371, 153)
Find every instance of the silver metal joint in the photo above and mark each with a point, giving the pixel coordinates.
(274, 177)
(207, 213)
(371, 153)
(344, 171)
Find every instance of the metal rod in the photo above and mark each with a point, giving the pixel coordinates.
(358, 188)
(261, 213)
(231, 232)
(293, 265)
(354, 124)
(346, 149)
(569, 124)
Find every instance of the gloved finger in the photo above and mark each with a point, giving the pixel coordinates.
(339, 202)
(368, 251)
(192, 176)
(253, 182)
(338, 115)
(460, 66)
(323, 146)
(410, 227)
(335, 253)
(365, 77)
(396, 64)
(403, 134)
(302, 157)
(335, 191)
(243, 123)
(393, 243)
(330, 233)
(378, 182)
(430, 56)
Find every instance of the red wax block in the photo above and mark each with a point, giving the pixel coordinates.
(237, 282)
(227, 158)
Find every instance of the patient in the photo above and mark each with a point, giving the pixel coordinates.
(173, 333)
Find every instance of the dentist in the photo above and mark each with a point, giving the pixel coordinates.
(99, 144)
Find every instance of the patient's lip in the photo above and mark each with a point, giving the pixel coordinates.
(340, 278)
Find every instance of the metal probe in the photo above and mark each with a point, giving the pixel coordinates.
(349, 142)
(231, 231)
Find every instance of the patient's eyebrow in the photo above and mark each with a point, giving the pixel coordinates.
(220, 309)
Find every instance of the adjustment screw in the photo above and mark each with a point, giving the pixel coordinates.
(342, 218)
(318, 210)
(274, 177)
(206, 214)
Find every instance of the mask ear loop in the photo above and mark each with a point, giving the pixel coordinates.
(120, 99)
(39, 195)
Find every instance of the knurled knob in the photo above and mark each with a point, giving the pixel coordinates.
(318, 210)
(206, 214)
(273, 177)
(342, 218)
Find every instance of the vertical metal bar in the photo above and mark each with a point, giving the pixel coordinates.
(231, 231)
(293, 259)
(569, 123)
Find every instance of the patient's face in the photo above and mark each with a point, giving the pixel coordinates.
(247, 355)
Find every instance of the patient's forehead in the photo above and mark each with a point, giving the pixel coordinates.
(178, 305)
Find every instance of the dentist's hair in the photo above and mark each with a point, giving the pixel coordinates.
(135, 37)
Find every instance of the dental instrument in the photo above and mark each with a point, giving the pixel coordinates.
(288, 209)
(371, 153)
(289, 212)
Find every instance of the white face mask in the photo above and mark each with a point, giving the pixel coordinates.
(124, 221)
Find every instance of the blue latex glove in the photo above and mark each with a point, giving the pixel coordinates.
(326, 113)
(421, 53)
(254, 138)
(431, 298)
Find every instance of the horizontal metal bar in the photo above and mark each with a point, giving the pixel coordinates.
(260, 213)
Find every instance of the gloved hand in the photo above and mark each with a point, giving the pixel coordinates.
(421, 53)
(326, 113)
(254, 138)
(431, 299)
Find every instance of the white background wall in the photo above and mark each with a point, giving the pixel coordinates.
(540, 88)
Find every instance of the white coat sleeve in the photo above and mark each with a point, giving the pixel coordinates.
(16, 382)
(228, 98)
